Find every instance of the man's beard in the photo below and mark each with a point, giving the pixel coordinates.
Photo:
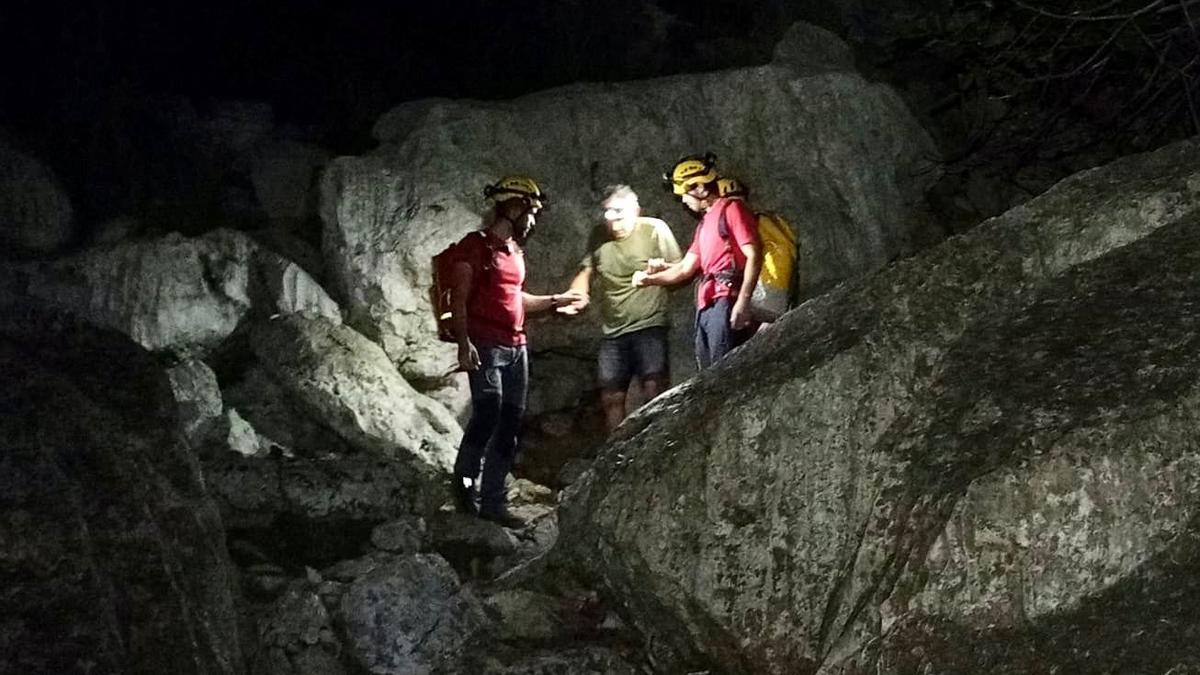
(523, 233)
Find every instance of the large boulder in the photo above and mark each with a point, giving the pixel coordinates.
(570, 660)
(345, 381)
(357, 446)
(840, 155)
(297, 636)
(172, 293)
(410, 617)
(198, 399)
(992, 444)
(114, 556)
(255, 492)
(388, 613)
(272, 409)
(35, 212)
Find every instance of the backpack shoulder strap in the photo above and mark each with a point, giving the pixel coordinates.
(478, 249)
(722, 224)
(723, 230)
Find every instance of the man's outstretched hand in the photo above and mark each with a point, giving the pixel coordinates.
(571, 302)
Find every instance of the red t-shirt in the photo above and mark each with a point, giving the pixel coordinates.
(716, 253)
(495, 309)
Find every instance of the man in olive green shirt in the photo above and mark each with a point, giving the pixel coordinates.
(633, 318)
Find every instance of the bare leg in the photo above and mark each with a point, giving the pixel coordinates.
(613, 403)
(654, 385)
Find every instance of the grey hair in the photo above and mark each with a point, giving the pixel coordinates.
(620, 191)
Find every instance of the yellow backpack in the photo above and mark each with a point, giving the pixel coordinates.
(773, 294)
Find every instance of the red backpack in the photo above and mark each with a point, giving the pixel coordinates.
(443, 282)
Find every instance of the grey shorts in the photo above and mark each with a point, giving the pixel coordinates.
(642, 353)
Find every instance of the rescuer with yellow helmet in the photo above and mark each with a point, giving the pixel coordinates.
(693, 171)
(488, 319)
(725, 250)
(522, 190)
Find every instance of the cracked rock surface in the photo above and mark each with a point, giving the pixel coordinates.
(172, 293)
(114, 557)
(991, 444)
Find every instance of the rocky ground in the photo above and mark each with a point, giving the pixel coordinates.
(226, 451)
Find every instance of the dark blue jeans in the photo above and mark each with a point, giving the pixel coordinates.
(498, 392)
(714, 337)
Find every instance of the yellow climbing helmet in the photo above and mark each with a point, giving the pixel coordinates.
(515, 187)
(731, 187)
(691, 171)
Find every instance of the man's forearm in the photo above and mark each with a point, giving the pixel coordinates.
(668, 277)
(538, 303)
(582, 282)
(459, 293)
(458, 323)
(750, 276)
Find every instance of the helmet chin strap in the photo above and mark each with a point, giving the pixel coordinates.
(515, 224)
(520, 232)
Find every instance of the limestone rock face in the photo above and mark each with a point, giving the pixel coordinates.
(275, 413)
(198, 397)
(254, 493)
(347, 382)
(410, 617)
(35, 212)
(296, 636)
(989, 444)
(172, 293)
(237, 435)
(587, 660)
(114, 556)
(527, 615)
(404, 535)
(467, 542)
(808, 48)
(839, 155)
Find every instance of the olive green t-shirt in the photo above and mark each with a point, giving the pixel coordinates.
(625, 308)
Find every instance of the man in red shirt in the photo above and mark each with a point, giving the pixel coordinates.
(727, 252)
(489, 307)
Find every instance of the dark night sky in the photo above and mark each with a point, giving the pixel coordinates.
(89, 87)
(323, 61)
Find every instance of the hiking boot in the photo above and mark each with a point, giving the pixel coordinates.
(464, 496)
(503, 517)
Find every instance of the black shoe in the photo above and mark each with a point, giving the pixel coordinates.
(464, 496)
(503, 518)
